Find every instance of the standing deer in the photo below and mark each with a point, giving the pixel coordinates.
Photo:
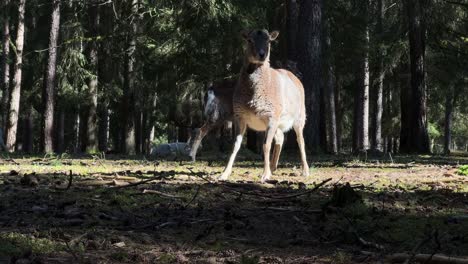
(218, 110)
(266, 99)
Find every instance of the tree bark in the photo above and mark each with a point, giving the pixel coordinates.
(291, 25)
(5, 64)
(28, 135)
(129, 92)
(60, 127)
(330, 98)
(103, 128)
(363, 113)
(378, 104)
(309, 61)
(92, 130)
(414, 138)
(449, 102)
(16, 91)
(48, 99)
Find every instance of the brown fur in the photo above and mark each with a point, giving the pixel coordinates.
(217, 113)
(268, 100)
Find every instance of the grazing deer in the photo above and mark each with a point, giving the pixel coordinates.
(266, 99)
(218, 110)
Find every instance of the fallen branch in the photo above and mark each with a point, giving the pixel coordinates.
(162, 194)
(426, 258)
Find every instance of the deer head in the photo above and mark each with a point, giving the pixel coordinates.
(258, 45)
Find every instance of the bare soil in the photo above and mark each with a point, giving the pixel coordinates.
(98, 210)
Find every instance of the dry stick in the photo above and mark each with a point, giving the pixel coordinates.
(427, 258)
(159, 177)
(193, 198)
(162, 194)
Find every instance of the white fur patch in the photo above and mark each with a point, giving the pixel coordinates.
(209, 101)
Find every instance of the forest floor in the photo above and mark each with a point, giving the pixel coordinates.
(117, 210)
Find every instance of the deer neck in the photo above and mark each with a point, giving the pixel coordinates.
(256, 75)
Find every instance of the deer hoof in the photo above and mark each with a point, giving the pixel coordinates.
(265, 177)
(305, 172)
(223, 177)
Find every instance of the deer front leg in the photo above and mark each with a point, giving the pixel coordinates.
(196, 143)
(240, 134)
(270, 133)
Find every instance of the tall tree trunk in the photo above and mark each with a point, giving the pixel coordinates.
(129, 89)
(5, 64)
(377, 115)
(449, 102)
(310, 60)
(339, 116)
(92, 130)
(363, 104)
(416, 138)
(16, 91)
(330, 96)
(48, 100)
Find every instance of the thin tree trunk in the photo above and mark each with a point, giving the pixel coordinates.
(77, 127)
(415, 135)
(449, 102)
(5, 64)
(16, 91)
(339, 116)
(48, 100)
(377, 115)
(92, 131)
(363, 126)
(60, 142)
(330, 98)
(28, 135)
(291, 25)
(309, 55)
(103, 128)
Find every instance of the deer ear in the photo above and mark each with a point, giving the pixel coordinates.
(245, 33)
(274, 35)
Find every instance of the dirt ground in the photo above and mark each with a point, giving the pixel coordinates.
(116, 210)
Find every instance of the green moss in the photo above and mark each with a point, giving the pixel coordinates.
(16, 244)
(463, 170)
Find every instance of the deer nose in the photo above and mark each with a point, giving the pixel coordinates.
(261, 53)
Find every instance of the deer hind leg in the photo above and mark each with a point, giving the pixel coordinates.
(196, 144)
(300, 142)
(270, 133)
(279, 139)
(240, 134)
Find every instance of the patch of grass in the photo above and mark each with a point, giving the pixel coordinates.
(120, 256)
(15, 244)
(166, 258)
(463, 170)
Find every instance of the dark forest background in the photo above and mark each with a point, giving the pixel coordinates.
(98, 75)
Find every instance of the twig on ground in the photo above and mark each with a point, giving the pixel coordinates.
(193, 198)
(426, 258)
(163, 194)
(316, 187)
(159, 177)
